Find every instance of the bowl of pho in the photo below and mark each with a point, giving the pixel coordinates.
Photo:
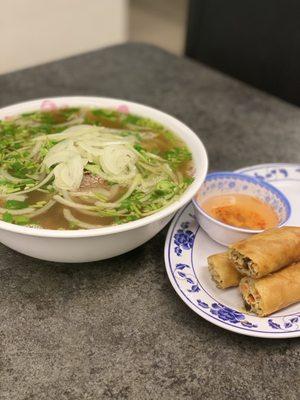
(89, 178)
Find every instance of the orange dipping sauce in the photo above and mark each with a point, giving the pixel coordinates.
(241, 210)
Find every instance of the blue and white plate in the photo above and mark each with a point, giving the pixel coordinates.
(187, 248)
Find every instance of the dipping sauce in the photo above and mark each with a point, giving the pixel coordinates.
(241, 210)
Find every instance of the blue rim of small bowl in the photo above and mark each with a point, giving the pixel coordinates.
(247, 178)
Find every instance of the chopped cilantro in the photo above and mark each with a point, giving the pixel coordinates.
(73, 225)
(188, 180)
(107, 114)
(138, 148)
(21, 220)
(7, 217)
(165, 187)
(131, 119)
(177, 156)
(15, 204)
(17, 219)
(93, 168)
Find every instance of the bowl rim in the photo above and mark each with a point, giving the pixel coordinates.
(201, 163)
(247, 178)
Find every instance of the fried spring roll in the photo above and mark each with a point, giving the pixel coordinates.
(222, 271)
(266, 252)
(273, 292)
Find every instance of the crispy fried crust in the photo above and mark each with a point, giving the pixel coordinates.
(271, 293)
(266, 252)
(222, 271)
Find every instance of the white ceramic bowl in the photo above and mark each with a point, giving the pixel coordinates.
(229, 182)
(101, 243)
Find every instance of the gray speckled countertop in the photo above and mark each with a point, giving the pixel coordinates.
(116, 329)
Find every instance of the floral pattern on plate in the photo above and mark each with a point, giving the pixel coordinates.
(181, 263)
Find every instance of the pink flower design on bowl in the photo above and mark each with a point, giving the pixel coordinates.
(48, 105)
(123, 109)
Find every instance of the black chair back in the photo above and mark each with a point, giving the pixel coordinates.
(257, 41)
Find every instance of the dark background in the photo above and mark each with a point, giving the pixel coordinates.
(257, 41)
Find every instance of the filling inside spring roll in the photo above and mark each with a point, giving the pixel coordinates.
(223, 271)
(251, 296)
(243, 263)
(273, 292)
(266, 252)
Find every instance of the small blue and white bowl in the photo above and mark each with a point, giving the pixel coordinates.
(219, 183)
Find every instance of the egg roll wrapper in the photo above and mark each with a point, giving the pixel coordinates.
(266, 252)
(271, 293)
(223, 271)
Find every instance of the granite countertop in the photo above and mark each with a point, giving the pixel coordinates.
(116, 329)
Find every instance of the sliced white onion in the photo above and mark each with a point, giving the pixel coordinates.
(121, 179)
(36, 148)
(81, 224)
(59, 153)
(78, 120)
(19, 197)
(69, 174)
(4, 174)
(72, 204)
(86, 212)
(98, 190)
(170, 172)
(131, 188)
(73, 132)
(42, 183)
(43, 209)
(17, 212)
(90, 150)
(147, 185)
(117, 160)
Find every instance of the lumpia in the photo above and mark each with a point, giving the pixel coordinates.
(223, 271)
(266, 252)
(273, 292)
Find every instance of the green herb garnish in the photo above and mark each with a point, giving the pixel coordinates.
(7, 217)
(177, 156)
(15, 204)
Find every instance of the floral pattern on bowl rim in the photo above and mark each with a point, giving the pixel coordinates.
(182, 247)
(226, 182)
